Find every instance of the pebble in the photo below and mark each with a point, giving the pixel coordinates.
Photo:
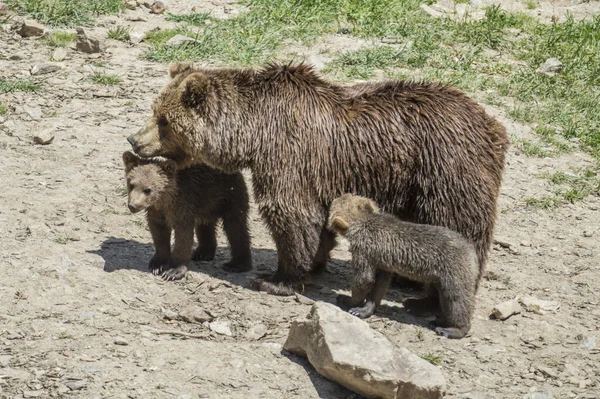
(221, 327)
(45, 137)
(532, 304)
(178, 40)
(136, 37)
(158, 7)
(121, 341)
(45, 67)
(130, 4)
(304, 300)
(34, 113)
(59, 54)
(506, 309)
(31, 28)
(256, 332)
(76, 385)
(87, 44)
(33, 394)
(551, 67)
(194, 314)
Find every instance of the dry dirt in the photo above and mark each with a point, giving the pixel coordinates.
(81, 317)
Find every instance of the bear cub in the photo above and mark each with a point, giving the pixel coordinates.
(382, 244)
(183, 201)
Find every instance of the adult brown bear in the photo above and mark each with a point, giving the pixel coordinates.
(422, 151)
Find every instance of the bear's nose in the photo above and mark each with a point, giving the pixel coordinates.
(131, 140)
(133, 208)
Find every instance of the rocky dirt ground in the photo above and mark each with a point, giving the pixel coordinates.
(81, 317)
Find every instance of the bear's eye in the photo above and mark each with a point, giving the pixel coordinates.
(162, 121)
(147, 191)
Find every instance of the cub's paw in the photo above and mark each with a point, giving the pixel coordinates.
(364, 311)
(343, 301)
(237, 266)
(450, 332)
(272, 288)
(176, 273)
(203, 254)
(157, 265)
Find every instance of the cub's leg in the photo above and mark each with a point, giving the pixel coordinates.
(326, 244)
(207, 241)
(161, 237)
(382, 281)
(457, 300)
(236, 230)
(429, 303)
(182, 251)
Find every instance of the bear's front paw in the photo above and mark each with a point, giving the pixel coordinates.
(157, 264)
(343, 301)
(203, 254)
(176, 273)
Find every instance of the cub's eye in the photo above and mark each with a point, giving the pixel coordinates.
(162, 121)
(147, 191)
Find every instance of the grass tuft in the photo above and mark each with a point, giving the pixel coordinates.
(433, 359)
(65, 12)
(3, 108)
(61, 39)
(120, 33)
(196, 19)
(105, 79)
(8, 86)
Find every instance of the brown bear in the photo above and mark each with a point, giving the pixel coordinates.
(184, 200)
(382, 244)
(425, 152)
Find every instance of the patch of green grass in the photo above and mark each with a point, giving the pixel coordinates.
(433, 359)
(120, 33)
(544, 202)
(196, 19)
(362, 63)
(8, 86)
(63, 240)
(99, 64)
(65, 12)
(3, 108)
(61, 39)
(531, 4)
(530, 149)
(105, 79)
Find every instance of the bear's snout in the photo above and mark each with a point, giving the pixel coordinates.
(134, 208)
(132, 141)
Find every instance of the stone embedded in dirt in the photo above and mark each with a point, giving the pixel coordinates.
(537, 395)
(551, 67)
(178, 40)
(343, 348)
(45, 67)
(31, 28)
(76, 385)
(121, 341)
(158, 7)
(59, 54)
(5, 360)
(221, 327)
(532, 304)
(194, 314)
(506, 309)
(44, 137)
(62, 389)
(130, 4)
(34, 113)
(3, 9)
(136, 37)
(87, 44)
(170, 315)
(304, 300)
(256, 332)
(33, 394)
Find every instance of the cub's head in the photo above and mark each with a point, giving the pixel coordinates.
(347, 209)
(177, 125)
(147, 179)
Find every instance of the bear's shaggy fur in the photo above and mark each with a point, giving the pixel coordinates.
(184, 200)
(424, 151)
(382, 244)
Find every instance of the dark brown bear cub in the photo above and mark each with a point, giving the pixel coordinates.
(184, 200)
(382, 244)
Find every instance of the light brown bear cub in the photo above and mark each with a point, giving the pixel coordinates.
(184, 200)
(382, 244)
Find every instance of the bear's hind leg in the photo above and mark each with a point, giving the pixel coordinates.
(326, 244)
(207, 242)
(161, 237)
(236, 230)
(457, 302)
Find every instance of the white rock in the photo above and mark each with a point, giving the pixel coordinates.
(59, 54)
(45, 67)
(178, 40)
(45, 137)
(256, 332)
(551, 67)
(34, 113)
(221, 327)
(343, 348)
(136, 37)
(506, 309)
(121, 341)
(194, 314)
(532, 304)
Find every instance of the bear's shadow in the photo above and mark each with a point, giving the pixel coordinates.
(123, 254)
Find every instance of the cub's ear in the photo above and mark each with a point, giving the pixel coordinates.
(368, 206)
(194, 90)
(130, 160)
(167, 165)
(178, 69)
(339, 225)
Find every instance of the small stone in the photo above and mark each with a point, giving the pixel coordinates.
(86, 358)
(3, 9)
(87, 44)
(62, 389)
(194, 314)
(551, 67)
(130, 4)
(136, 37)
(121, 341)
(59, 54)
(304, 300)
(503, 243)
(30, 28)
(588, 233)
(15, 57)
(532, 304)
(5, 360)
(178, 40)
(588, 343)
(170, 315)
(34, 113)
(343, 348)
(221, 327)
(536, 395)
(256, 332)
(76, 385)
(45, 137)
(33, 394)
(45, 67)
(506, 309)
(158, 7)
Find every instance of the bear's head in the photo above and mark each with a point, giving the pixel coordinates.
(147, 180)
(347, 209)
(178, 127)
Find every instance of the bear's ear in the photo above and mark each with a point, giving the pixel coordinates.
(167, 165)
(339, 225)
(368, 206)
(194, 90)
(130, 160)
(177, 69)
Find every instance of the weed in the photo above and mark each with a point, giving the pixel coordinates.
(120, 33)
(8, 86)
(98, 64)
(63, 240)
(105, 79)
(3, 108)
(531, 4)
(197, 19)
(121, 191)
(531, 150)
(433, 359)
(545, 202)
(20, 295)
(419, 334)
(61, 39)
(65, 12)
